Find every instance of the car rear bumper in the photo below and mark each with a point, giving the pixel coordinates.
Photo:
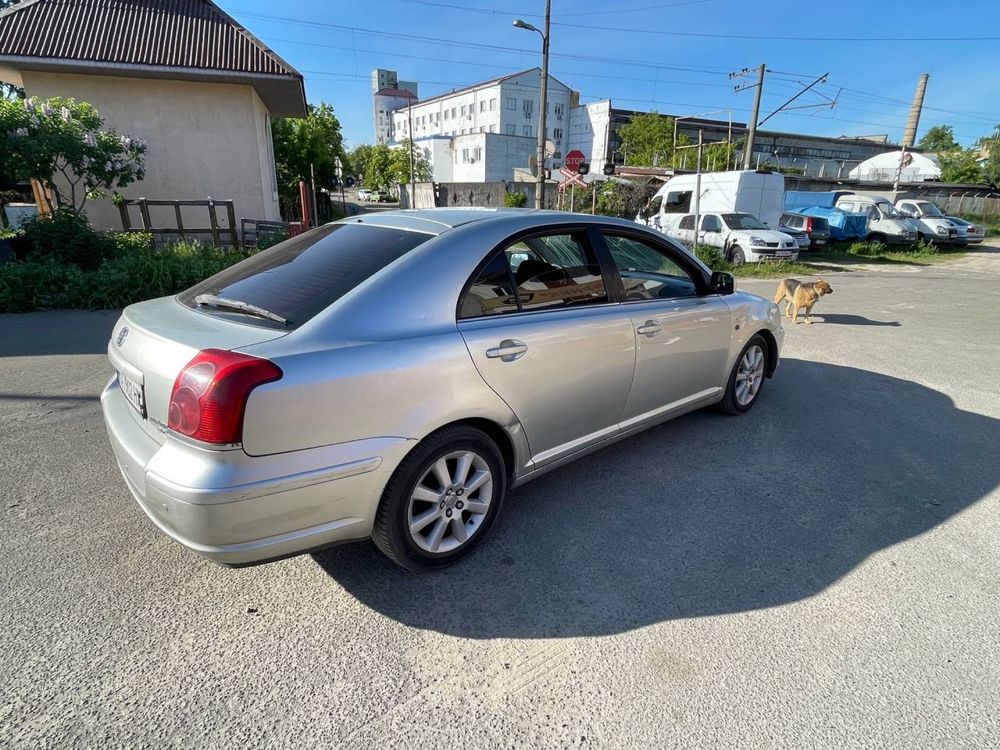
(237, 509)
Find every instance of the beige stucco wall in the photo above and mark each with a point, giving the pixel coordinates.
(203, 139)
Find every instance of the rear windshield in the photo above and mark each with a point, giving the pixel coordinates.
(298, 278)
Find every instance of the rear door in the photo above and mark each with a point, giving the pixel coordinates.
(682, 334)
(540, 326)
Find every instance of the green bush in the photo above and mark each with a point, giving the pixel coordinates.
(127, 243)
(66, 237)
(713, 258)
(269, 239)
(515, 200)
(866, 249)
(138, 274)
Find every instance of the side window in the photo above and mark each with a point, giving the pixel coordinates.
(537, 273)
(711, 223)
(492, 292)
(555, 271)
(873, 213)
(654, 205)
(647, 271)
(909, 208)
(687, 222)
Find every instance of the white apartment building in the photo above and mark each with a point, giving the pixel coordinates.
(506, 108)
(388, 94)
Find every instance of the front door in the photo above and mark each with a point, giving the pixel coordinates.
(682, 336)
(544, 335)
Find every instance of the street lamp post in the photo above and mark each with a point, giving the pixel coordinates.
(540, 157)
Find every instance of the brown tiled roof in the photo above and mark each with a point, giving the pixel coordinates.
(193, 35)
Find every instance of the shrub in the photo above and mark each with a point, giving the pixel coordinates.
(515, 200)
(269, 239)
(866, 249)
(126, 243)
(138, 274)
(66, 237)
(713, 258)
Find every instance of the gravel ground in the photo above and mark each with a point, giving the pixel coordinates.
(819, 573)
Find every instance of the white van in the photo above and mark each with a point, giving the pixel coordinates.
(885, 223)
(742, 191)
(931, 222)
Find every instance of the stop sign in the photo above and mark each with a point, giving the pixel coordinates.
(574, 159)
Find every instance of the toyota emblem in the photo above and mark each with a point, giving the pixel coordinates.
(122, 335)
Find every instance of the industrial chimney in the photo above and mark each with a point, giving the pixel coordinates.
(910, 134)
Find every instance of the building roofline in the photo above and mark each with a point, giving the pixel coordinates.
(483, 84)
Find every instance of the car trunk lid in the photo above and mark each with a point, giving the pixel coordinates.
(154, 340)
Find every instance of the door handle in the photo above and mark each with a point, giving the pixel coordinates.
(508, 350)
(650, 328)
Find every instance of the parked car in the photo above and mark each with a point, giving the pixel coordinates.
(930, 221)
(393, 375)
(816, 227)
(364, 194)
(974, 233)
(885, 223)
(742, 238)
(800, 237)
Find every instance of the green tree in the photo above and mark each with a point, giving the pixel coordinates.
(304, 146)
(938, 139)
(991, 170)
(357, 158)
(384, 167)
(401, 163)
(40, 139)
(648, 140)
(961, 165)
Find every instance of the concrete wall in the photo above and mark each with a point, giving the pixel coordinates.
(203, 139)
(480, 194)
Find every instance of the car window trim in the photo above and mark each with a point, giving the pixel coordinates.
(681, 257)
(579, 228)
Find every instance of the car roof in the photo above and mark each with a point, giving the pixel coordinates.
(439, 220)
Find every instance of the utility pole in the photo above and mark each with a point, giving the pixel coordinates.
(413, 178)
(752, 131)
(697, 195)
(910, 133)
(540, 156)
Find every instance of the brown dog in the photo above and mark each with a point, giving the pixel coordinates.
(798, 294)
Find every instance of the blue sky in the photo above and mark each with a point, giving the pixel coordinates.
(668, 55)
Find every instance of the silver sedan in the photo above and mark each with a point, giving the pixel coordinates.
(393, 376)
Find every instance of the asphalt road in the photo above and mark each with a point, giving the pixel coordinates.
(819, 573)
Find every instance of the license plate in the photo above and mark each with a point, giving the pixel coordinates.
(133, 392)
(782, 254)
(820, 242)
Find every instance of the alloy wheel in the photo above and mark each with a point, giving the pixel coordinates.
(450, 501)
(750, 375)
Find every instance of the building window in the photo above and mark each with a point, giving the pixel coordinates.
(558, 109)
(453, 113)
(477, 154)
(465, 155)
(493, 105)
(527, 130)
(529, 106)
(482, 128)
(482, 106)
(493, 128)
(511, 102)
(465, 110)
(512, 130)
(465, 131)
(557, 134)
(446, 114)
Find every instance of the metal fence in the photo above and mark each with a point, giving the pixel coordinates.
(220, 234)
(972, 205)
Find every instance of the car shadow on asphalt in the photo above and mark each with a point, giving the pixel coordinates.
(853, 320)
(705, 515)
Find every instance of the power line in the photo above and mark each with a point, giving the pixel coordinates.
(495, 12)
(786, 38)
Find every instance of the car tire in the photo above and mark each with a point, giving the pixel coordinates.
(735, 400)
(926, 238)
(416, 493)
(876, 237)
(736, 256)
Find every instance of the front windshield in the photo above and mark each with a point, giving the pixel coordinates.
(743, 221)
(929, 209)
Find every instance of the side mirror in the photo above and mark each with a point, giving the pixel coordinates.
(723, 283)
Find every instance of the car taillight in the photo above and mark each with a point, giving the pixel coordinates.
(210, 394)
(809, 224)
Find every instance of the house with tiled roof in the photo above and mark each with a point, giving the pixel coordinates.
(182, 75)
